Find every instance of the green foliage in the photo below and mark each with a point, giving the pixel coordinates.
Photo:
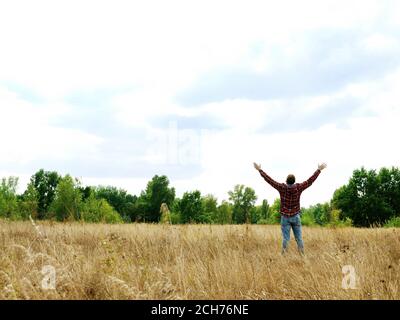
(321, 213)
(243, 199)
(318, 214)
(210, 210)
(175, 218)
(274, 216)
(191, 207)
(264, 209)
(307, 218)
(389, 187)
(336, 220)
(175, 205)
(67, 202)
(120, 200)
(206, 218)
(224, 213)
(393, 223)
(369, 198)
(45, 183)
(263, 221)
(86, 192)
(210, 204)
(346, 223)
(8, 198)
(139, 209)
(99, 210)
(255, 214)
(259, 213)
(149, 203)
(29, 203)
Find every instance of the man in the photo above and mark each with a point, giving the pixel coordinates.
(290, 193)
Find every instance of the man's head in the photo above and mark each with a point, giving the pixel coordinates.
(291, 179)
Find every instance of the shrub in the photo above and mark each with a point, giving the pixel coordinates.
(99, 210)
(274, 215)
(393, 223)
(347, 222)
(263, 221)
(175, 218)
(307, 220)
(336, 220)
(206, 218)
(8, 199)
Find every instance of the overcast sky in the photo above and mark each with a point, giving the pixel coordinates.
(115, 92)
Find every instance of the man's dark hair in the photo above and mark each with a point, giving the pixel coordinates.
(291, 179)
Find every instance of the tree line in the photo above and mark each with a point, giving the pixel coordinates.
(370, 198)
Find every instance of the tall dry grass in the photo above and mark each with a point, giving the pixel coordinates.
(194, 262)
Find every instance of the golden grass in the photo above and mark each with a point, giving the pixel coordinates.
(141, 261)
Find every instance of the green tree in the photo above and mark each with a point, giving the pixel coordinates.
(243, 199)
(264, 210)
(320, 213)
(120, 200)
(175, 211)
(67, 204)
(45, 183)
(307, 217)
(256, 214)
(8, 198)
(210, 209)
(86, 192)
(139, 209)
(259, 214)
(274, 215)
(191, 207)
(224, 213)
(29, 203)
(175, 205)
(389, 188)
(210, 203)
(150, 200)
(364, 199)
(99, 210)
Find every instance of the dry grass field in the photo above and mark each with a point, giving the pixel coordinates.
(141, 261)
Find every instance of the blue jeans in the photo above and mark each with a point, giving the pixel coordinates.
(294, 223)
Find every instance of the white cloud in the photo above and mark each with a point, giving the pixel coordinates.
(28, 135)
(155, 50)
(57, 46)
(135, 108)
(367, 141)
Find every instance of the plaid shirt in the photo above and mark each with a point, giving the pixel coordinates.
(290, 194)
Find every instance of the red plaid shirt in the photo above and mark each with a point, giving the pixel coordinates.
(290, 194)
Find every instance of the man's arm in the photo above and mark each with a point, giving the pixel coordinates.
(267, 178)
(310, 181)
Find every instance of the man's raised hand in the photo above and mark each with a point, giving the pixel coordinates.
(322, 166)
(257, 166)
